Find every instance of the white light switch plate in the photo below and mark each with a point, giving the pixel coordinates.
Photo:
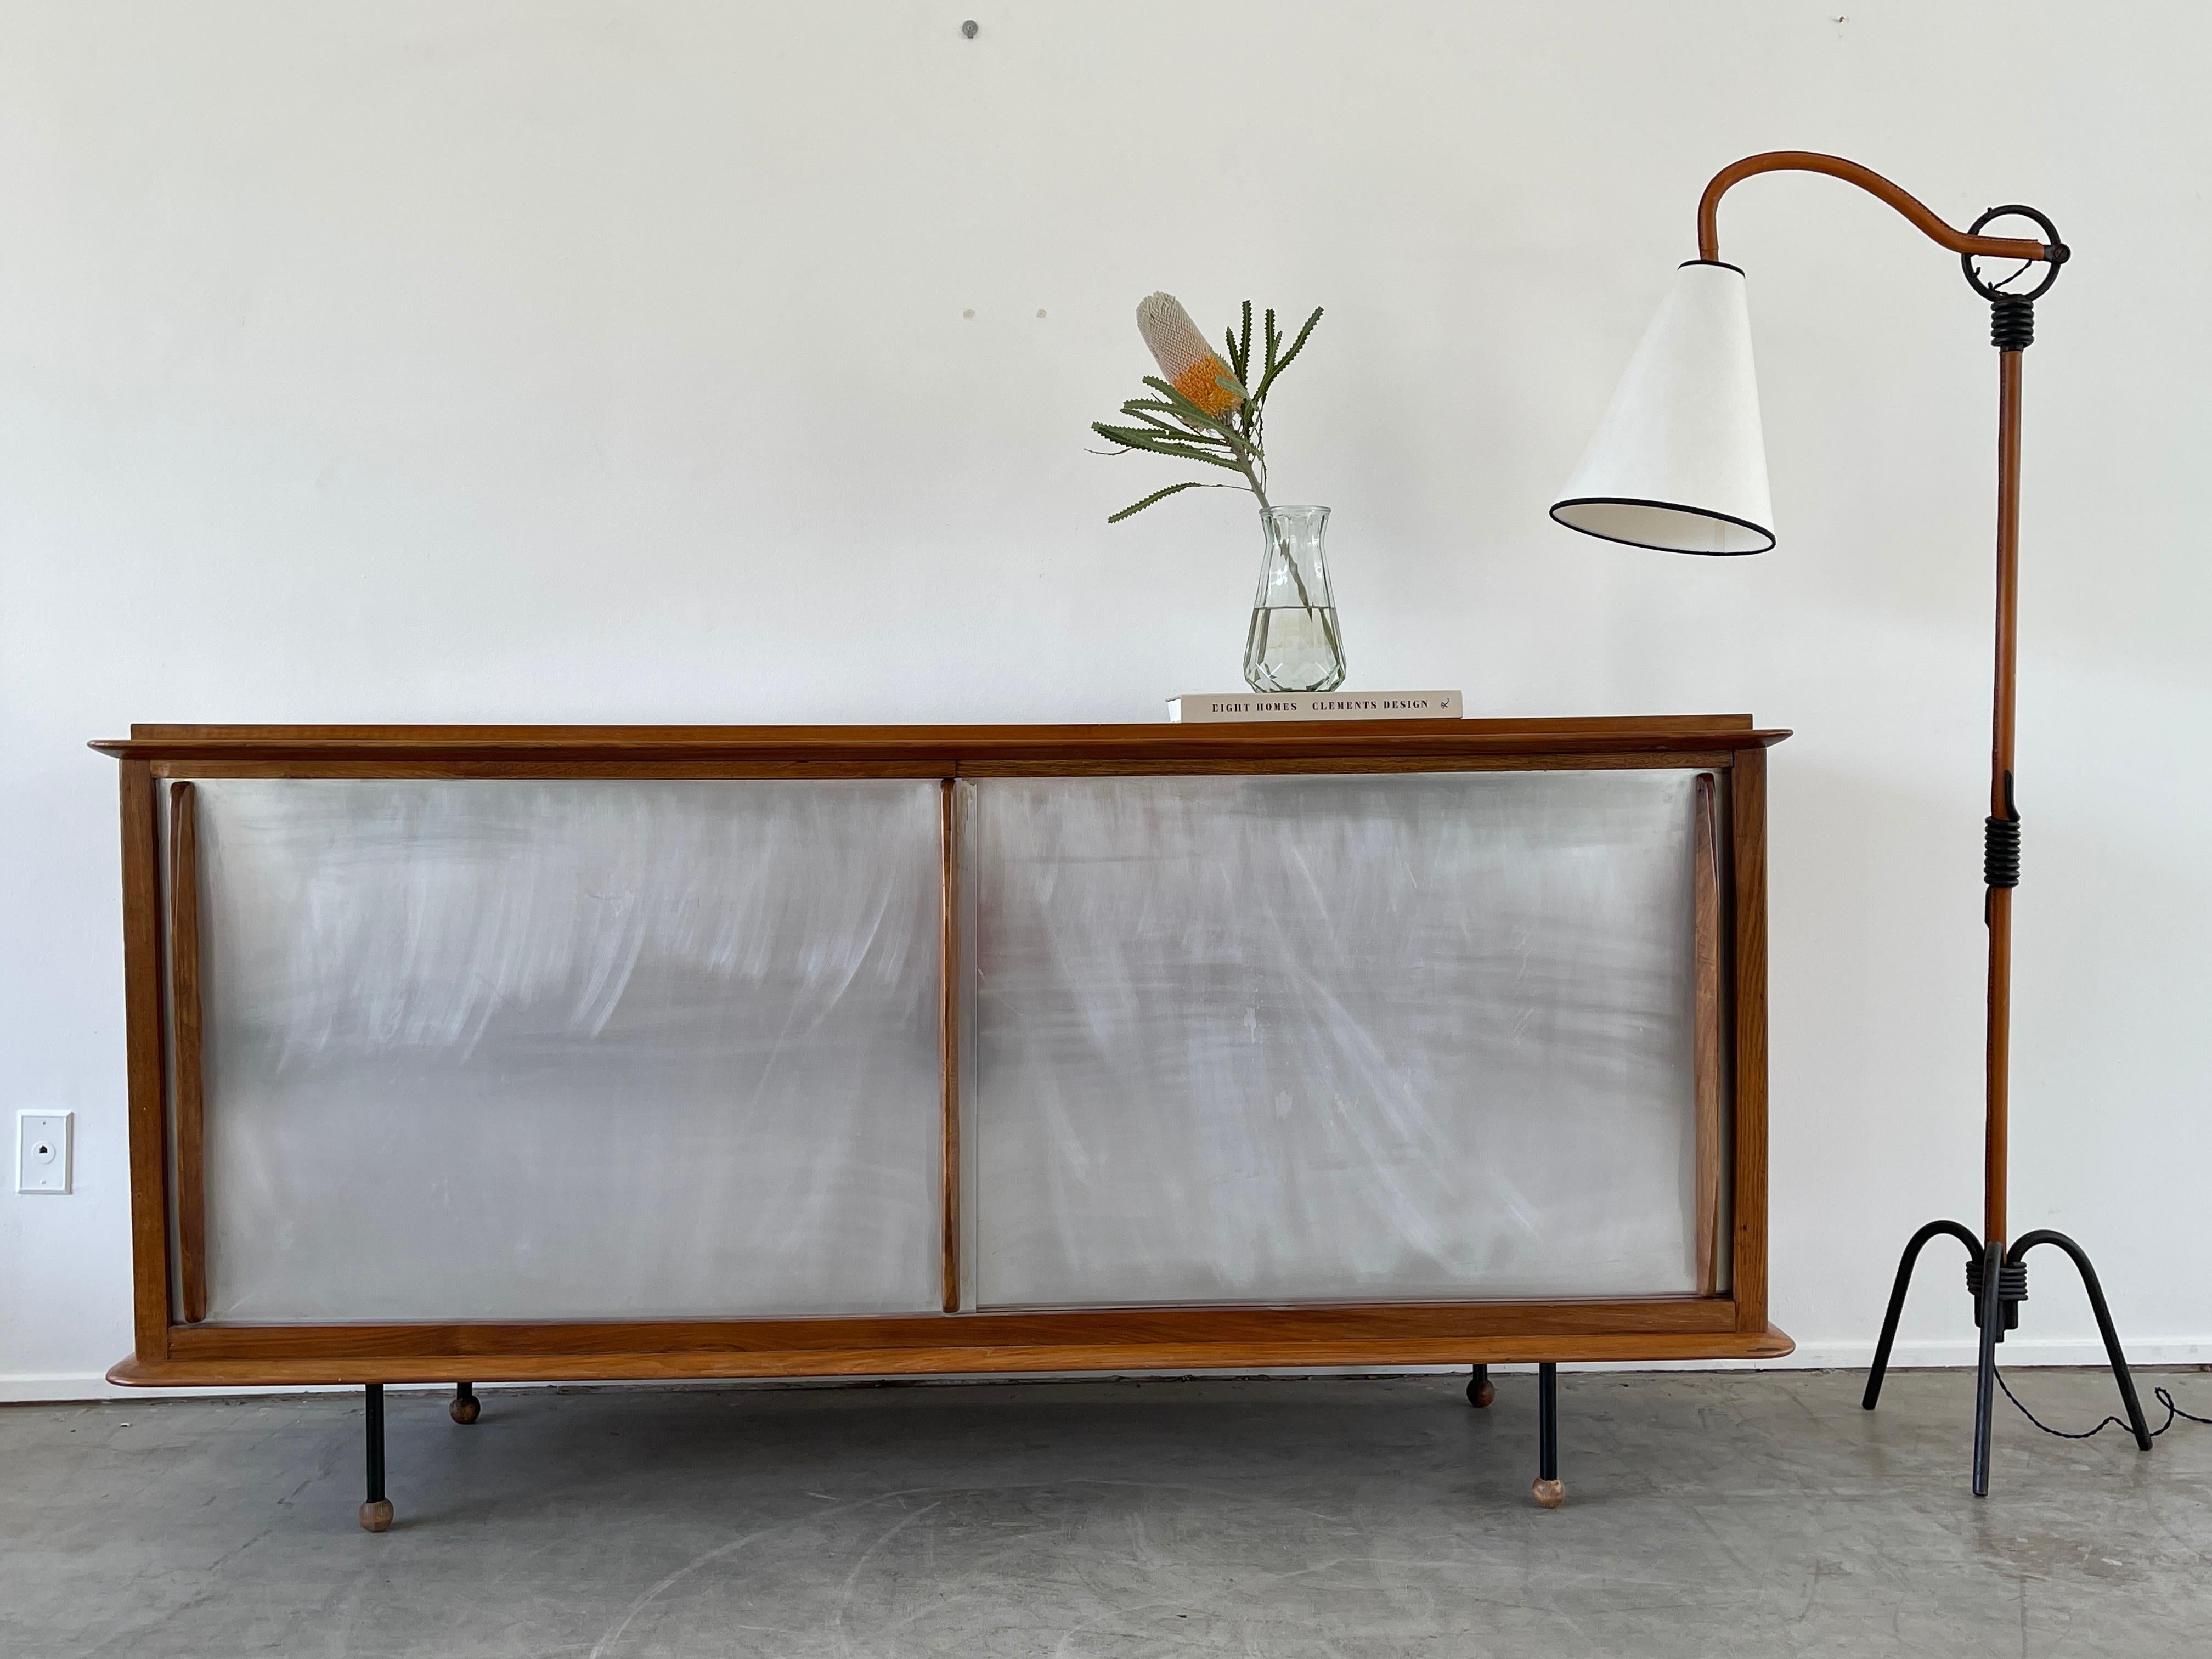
(42, 1151)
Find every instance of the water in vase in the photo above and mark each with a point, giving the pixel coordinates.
(1294, 643)
(1291, 649)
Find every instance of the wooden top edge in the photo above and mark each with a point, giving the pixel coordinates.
(1658, 732)
(954, 1360)
(597, 733)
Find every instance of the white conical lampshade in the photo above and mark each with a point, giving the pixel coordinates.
(1679, 462)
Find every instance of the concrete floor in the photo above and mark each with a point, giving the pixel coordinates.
(1708, 1515)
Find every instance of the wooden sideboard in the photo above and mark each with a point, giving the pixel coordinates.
(1452, 948)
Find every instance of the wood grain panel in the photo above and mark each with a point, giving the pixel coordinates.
(1119, 1328)
(1706, 974)
(1747, 824)
(188, 1118)
(554, 1367)
(141, 1001)
(1339, 765)
(948, 1013)
(1028, 734)
(430, 766)
(449, 746)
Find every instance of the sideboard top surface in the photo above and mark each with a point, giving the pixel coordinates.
(1164, 741)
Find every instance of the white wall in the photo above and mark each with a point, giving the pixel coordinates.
(513, 360)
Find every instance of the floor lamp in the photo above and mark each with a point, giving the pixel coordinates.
(1679, 463)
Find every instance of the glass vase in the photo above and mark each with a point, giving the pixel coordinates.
(1294, 643)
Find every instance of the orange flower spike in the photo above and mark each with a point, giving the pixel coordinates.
(1187, 362)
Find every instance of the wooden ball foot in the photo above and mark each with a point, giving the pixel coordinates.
(1480, 1391)
(377, 1516)
(1550, 1493)
(465, 1411)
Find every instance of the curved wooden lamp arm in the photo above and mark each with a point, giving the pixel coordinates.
(1806, 161)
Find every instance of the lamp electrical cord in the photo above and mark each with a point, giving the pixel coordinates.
(2159, 1394)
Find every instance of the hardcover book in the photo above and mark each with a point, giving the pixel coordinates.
(1317, 706)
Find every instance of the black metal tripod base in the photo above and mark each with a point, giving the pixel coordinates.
(1997, 1278)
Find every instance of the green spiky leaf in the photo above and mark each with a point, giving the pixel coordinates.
(1196, 428)
(1297, 346)
(1156, 496)
(1133, 437)
(1173, 430)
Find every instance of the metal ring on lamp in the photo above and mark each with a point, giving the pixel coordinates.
(2059, 254)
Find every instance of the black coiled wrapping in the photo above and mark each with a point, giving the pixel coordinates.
(2012, 1289)
(2012, 1279)
(2000, 852)
(2012, 324)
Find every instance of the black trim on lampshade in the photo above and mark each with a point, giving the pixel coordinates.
(1668, 507)
(1723, 264)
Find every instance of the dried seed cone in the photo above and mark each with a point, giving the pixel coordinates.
(1187, 362)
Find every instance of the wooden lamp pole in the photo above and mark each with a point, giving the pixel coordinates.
(1996, 1276)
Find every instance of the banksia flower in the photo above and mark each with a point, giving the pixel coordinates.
(1185, 413)
(1187, 364)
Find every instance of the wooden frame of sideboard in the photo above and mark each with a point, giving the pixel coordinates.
(175, 1346)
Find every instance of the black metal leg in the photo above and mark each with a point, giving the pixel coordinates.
(465, 1407)
(1997, 1277)
(376, 1510)
(1989, 1313)
(1480, 1390)
(2121, 1374)
(1904, 1267)
(1549, 1491)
